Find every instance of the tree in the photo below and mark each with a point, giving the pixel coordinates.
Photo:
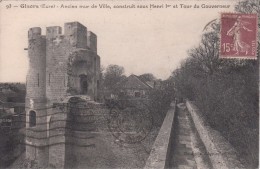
(147, 77)
(160, 100)
(248, 7)
(112, 76)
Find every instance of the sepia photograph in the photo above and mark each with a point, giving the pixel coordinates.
(129, 84)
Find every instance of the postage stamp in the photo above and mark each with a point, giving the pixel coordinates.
(238, 36)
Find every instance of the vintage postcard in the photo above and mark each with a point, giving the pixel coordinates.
(152, 84)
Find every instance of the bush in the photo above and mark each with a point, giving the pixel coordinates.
(160, 100)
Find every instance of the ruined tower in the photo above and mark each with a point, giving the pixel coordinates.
(61, 65)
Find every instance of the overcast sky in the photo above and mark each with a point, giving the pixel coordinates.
(141, 40)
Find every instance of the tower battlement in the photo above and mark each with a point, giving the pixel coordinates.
(76, 33)
(53, 31)
(34, 32)
(51, 55)
(92, 41)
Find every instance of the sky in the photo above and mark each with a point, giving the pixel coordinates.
(141, 40)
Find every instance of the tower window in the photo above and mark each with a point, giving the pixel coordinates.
(65, 81)
(38, 79)
(98, 84)
(32, 119)
(49, 79)
(83, 84)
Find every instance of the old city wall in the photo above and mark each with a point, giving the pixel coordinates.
(56, 63)
(37, 59)
(58, 135)
(76, 128)
(81, 65)
(58, 48)
(64, 54)
(221, 153)
(36, 96)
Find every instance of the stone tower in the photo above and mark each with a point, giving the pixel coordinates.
(61, 65)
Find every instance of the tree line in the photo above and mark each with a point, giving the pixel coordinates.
(225, 90)
(159, 98)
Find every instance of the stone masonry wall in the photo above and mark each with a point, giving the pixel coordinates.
(36, 97)
(76, 33)
(37, 61)
(159, 157)
(56, 62)
(58, 49)
(63, 53)
(57, 136)
(221, 153)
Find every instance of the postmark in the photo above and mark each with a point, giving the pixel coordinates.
(238, 36)
(130, 122)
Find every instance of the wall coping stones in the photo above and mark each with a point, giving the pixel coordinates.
(220, 151)
(159, 155)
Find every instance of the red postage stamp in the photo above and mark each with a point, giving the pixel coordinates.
(238, 36)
